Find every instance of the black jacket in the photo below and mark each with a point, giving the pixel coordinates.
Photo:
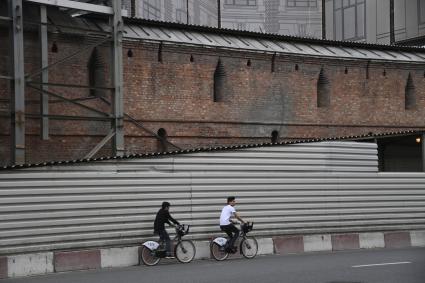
(162, 217)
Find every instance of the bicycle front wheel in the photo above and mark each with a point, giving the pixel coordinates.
(185, 251)
(249, 247)
(218, 252)
(148, 257)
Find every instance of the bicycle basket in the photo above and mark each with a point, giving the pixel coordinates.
(247, 227)
(182, 230)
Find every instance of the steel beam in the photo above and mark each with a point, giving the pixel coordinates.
(69, 100)
(70, 85)
(18, 85)
(44, 98)
(76, 5)
(423, 151)
(81, 6)
(5, 18)
(90, 47)
(100, 144)
(117, 79)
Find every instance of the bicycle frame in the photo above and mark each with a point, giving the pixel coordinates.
(221, 241)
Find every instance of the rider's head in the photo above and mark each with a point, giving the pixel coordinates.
(165, 205)
(231, 201)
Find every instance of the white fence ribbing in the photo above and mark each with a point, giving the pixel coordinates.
(296, 189)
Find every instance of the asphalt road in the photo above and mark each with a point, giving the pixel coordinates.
(365, 266)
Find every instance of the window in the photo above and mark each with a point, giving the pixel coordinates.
(349, 19)
(301, 3)
(241, 2)
(152, 9)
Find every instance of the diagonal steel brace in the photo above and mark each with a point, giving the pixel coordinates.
(28, 77)
(69, 100)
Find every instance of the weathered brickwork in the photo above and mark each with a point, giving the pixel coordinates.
(176, 94)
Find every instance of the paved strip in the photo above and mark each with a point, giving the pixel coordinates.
(322, 267)
(380, 264)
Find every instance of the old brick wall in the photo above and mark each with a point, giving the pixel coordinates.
(176, 94)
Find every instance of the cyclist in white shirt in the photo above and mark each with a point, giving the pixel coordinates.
(226, 223)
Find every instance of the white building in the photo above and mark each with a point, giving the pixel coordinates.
(370, 21)
(289, 17)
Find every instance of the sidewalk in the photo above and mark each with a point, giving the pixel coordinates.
(49, 262)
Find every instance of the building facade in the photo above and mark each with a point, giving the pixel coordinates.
(289, 17)
(370, 21)
(189, 87)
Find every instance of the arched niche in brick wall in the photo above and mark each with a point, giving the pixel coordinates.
(219, 81)
(96, 70)
(323, 90)
(410, 93)
(162, 141)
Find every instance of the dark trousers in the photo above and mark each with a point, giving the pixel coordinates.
(232, 232)
(163, 236)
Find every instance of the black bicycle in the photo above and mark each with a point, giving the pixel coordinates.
(184, 250)
(248, 245)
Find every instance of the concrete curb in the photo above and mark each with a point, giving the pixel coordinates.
(49, 262)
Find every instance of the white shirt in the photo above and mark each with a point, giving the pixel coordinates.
(227, 212)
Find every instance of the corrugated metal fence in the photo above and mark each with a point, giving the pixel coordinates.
(296, 189)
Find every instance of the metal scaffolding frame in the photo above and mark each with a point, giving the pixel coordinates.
(20, 80)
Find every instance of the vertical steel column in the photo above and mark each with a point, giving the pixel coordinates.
(187, 11)
(423, 151)
(218, 14)
(44, 98)
(323, 19)
(18, 84)
(392, 31)
(117, 78)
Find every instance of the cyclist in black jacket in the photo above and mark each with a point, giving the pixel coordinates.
(163, 216)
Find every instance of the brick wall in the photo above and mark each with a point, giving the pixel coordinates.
(177, 95)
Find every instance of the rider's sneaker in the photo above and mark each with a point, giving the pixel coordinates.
(170, 257)
(230, 250)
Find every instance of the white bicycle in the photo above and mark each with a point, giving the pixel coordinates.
(184, 250)
(248, 245)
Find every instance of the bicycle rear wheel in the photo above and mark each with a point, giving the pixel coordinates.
(148, 257)
(185, 251)
(218, 252)
(249, 247)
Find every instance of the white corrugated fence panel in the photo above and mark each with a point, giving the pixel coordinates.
(304, 188)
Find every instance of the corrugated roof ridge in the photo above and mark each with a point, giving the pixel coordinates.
(203, 149)
(273, 35)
